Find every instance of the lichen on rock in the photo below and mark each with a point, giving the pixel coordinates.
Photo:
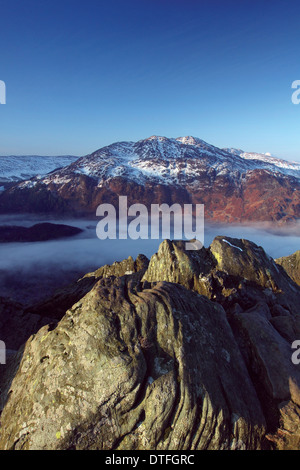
(189, 351)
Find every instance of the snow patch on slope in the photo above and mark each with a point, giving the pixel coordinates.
(269, 161)
(18, 168)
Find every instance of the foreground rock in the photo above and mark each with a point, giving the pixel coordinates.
(191, 352)
(236, 273)
(291, 264)
(131, 370)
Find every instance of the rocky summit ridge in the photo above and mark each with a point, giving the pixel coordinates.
(188, 350)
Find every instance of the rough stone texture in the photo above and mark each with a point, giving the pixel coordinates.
(291, 264)
(134, 370)
(230, 271)
(266, 348)
(125, 267)
(146, 361)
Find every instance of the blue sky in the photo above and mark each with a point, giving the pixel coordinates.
(81, 75)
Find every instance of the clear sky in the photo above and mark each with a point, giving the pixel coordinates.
(83, 74)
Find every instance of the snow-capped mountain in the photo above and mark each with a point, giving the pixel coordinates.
(167, 161)
(157, 159)
(269, 161)
(232, 184)
(18, 168)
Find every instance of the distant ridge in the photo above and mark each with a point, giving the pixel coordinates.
(17, 168)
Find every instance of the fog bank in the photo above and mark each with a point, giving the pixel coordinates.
(32, 271)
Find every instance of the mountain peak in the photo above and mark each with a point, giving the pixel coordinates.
(187, 140)
(155, 137)
(190, 140)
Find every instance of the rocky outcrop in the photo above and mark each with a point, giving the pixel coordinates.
(192, 351)
(132, 370)
(291, 264)
(231, 271)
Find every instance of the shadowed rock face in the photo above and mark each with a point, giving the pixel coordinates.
(56, 306)
(146, 361)
(16, 325)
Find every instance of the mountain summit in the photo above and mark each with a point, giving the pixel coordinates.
(234, 185)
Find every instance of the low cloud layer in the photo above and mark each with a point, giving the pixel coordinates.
(31, 271)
